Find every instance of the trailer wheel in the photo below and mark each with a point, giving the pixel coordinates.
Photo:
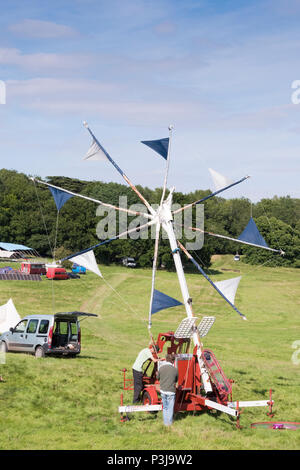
(147, 400)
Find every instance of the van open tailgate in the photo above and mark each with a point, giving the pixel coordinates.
(74, 314)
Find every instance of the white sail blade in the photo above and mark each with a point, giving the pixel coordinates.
(219, 180)
(88, 261)
(229, 287)
(95, 153)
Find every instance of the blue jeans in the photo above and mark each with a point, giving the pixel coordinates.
(168, 407)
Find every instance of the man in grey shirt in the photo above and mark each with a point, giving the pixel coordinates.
(168, 376)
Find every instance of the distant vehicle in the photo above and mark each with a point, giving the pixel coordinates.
(76, 268)
(236, 257)
(129, 262)
(33, 268)
(57, 273)
(73, 276)
(42, 335)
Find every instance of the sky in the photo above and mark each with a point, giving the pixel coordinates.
(221, 72)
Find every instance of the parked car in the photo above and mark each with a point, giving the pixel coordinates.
(73, 276)
(129, 262)
(237, 257)
(42, 335)
(57, 273)
(77, 269)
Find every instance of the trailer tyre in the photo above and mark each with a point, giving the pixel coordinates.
(39, 352)
(147, 400)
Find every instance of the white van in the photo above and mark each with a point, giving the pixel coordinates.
(129, 262)
(42, 335)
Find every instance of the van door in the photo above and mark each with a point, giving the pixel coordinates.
(30, 335)
(67, 329)
(16, 337)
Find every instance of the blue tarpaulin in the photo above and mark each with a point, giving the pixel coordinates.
(162, 301)
(60, 197)
(160, 146)
(13, 247)
(251, 234)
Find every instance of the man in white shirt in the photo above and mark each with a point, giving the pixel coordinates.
(137, 369)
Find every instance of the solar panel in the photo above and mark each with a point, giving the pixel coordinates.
(185, 329)
(20, 277)
(205, 325)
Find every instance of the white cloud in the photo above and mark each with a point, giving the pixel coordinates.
(42, 29)
(43, 61)
(65, 96)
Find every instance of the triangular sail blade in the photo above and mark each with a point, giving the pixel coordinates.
(9, 316)
(120, 171)
(161, 146)
(95, 152)
(229, 287)
(60, 197)
(162, 301)
(189, 256)
(88, 261)
(251, 234)
(219, 180)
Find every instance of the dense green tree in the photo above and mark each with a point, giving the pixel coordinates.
(28, 215)
(278, 235)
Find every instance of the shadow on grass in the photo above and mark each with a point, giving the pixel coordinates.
(214, 414)
(83, 356)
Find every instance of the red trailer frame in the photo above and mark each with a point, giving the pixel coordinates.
(190, 392)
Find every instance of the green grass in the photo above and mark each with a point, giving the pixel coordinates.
(60, 403)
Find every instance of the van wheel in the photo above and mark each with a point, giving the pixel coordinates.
(39, 352)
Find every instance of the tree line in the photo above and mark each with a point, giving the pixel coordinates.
(28, 215)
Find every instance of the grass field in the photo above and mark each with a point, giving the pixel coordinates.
(60, 403)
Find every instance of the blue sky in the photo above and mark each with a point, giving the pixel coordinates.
(219, 71)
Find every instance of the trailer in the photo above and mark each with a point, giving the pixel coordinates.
(33, 268)
(202, 383)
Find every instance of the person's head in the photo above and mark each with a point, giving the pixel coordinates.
(154, 348)
(170, 358)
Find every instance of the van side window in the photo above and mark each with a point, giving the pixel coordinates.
(32, 326)
(21, 327)
(44, 325)
(74, 331)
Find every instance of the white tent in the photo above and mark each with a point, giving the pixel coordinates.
(9, 316)
(7, 254)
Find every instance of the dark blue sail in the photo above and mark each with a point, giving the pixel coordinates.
(60, 197)
(251, 234)
(160, 146)
(162, 301)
